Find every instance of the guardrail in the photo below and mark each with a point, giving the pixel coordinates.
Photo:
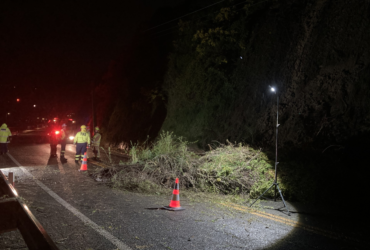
(16, 215)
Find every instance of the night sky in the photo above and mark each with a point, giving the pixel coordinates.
(51, 51)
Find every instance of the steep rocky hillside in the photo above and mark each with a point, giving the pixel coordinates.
(325, 74)
(317, 54)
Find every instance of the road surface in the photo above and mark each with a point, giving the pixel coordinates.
(79, 213)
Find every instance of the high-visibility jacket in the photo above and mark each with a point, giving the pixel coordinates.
(62, 134)
(97, 139)
(82, 137)
(4, 133)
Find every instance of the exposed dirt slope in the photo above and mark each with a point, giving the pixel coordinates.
(323, 76)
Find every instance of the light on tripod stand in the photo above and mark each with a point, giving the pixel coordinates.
(275, 184)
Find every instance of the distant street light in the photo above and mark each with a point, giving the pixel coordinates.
(6, 116)
(276, 184)
(34, 106)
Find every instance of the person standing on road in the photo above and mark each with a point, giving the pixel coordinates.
(5, 138)
(96, 144)
(54, 137)
(82, 141)
(63, 142)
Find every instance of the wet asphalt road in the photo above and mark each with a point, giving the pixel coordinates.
(80, 213)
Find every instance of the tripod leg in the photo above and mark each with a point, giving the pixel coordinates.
(262, 194)
(281, 195)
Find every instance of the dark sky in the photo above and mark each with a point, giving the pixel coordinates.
(56, 45)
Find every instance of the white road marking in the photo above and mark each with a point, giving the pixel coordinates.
(77, 213)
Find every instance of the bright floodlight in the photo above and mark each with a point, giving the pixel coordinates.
(34, 106)
(273, 89)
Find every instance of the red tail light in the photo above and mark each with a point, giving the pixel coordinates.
(57, 132)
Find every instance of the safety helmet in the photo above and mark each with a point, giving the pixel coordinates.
(83, 126)
(96, 128)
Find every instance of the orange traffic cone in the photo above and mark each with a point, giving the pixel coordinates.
(175, 202)
(84, 164)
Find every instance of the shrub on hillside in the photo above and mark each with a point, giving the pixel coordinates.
(225, 168)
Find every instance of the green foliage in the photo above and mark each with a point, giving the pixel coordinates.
(166, 144)
(199, 83)
(133, 154)
(227, 169)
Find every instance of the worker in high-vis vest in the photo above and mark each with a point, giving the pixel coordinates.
(82, 141)
(96, 144)
(5, 137)
(63, 142)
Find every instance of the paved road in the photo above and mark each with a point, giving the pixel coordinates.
(80, 213)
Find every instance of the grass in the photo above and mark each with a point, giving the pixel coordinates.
(232, 169)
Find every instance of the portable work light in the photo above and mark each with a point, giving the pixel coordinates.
(276, 184)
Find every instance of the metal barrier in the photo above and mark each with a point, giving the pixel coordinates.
(16, 215)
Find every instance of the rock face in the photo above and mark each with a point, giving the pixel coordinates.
(317, 54)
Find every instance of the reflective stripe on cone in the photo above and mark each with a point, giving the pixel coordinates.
(84, 164)
(175, 202)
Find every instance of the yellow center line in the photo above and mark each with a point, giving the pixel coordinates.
(290, 222)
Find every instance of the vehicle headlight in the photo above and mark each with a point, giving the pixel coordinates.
(71, 137)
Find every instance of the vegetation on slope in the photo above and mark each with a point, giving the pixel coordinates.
(235, 169)
(224, 169)
(199, 83)
(216, 85)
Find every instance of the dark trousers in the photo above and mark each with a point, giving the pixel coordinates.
(80, 150)
(62, 148)
(3, 148)
(53, 149)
